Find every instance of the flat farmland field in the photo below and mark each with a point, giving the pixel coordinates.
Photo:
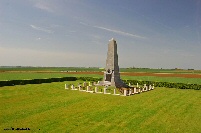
(192, 78)
(50, 108)
(40, 75)
(95, 69)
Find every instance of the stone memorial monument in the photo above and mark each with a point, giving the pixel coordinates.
(111, 74)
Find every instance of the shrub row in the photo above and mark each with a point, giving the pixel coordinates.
(89, 79)
(35, 81)
(47, 80)
(165, 84)
(156, 83)
(134, 82)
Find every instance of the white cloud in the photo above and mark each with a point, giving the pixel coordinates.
(55, 25)
(84, 24)
(115, 31)
(44, 6)
(120, 32)
(41, 29)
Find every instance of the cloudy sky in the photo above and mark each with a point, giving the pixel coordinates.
(149, 33)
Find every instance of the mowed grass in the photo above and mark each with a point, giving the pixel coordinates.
(51, 108)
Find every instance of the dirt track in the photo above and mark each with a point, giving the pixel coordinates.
(146, 74)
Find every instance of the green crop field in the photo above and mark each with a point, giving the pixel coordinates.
(52, 69)
(36, 75)
(58, 69)
(164, 79)
(51, 108)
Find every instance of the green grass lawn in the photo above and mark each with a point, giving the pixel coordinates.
(51, 108)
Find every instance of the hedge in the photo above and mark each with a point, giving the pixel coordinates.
(134, 82)
(35, 81)
(89, 79)
(165, 84)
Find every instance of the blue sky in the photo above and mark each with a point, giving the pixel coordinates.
(149, 33)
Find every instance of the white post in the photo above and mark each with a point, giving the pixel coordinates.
(132, 91)
(72, 87)
(115, 92)
(129, 92)
(125, 92)
(149, 87)
(66, 86)
(84, 84)
(135, 91)
(104, 90)
(139, 90)
(153, 87)
(96, 89)
(137, 84)
(79, 87)
(145, 87)
(87, 88)
(129, 84)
